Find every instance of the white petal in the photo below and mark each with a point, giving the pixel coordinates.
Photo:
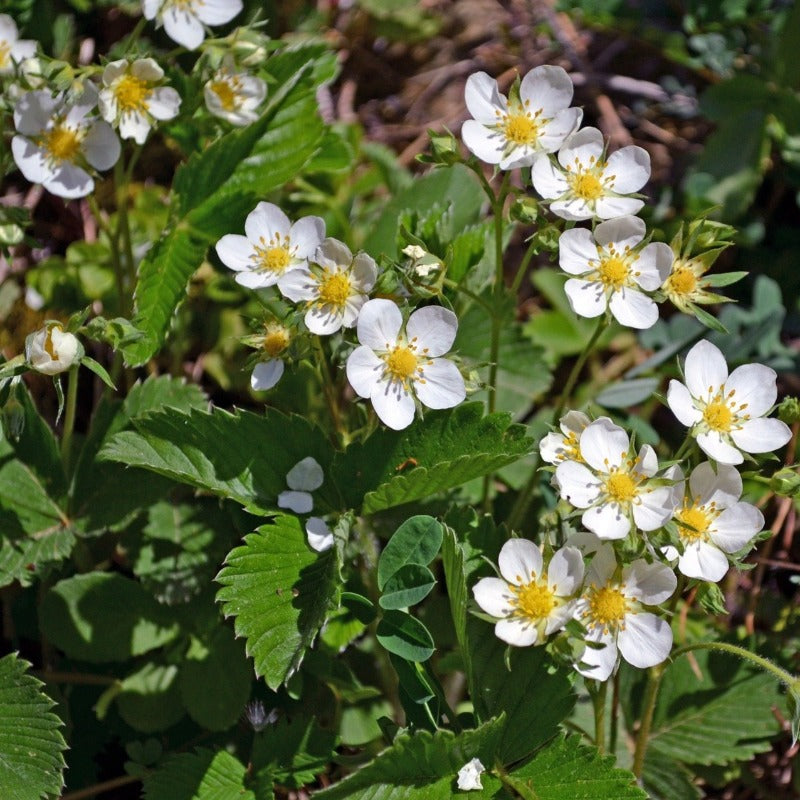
(333, 254)
(654, 265)
(150, 8)
(101, 146)
(565, 571)
(265, 221)
(266, 374)
(305, 475)
(547, 179)
(717, 446)
(393, 405)
(736, 526)
(307, 234)
(634, 309)
(608, 521)
(69, 181)
(705, 369)
(482, 98)
(577, 485)
(576, 248)
(184, 28)
(164, 103)
(574, 422)
(298, 285)
(364, 370)
(434, 328)
(598, 663)
(324, 320)
(610, 207)
(754, 385)
(33, 111)
(146, 69)
(318, 534)
(492, 595)
(630, 167)
(604, 445)
(254, 279)
(218, 12)
(573, 209)
(379, 323)
(646, 462)
(134, 126)
(580, 147)
(442, 385)
(363, 272)
(516, 632)
(586, 298)
(681, 404)
(299, 502)
(8, 29)
(652, 584)
(551, 448)
(703, 561)
(520, 561)
(548, 88)
(483, 142)
(761, 435)
(235, 252)
(113, 70)
(654, 509)
(31, 160)
(645, 640)
(561, 127)
(625, 231)
(723, 486)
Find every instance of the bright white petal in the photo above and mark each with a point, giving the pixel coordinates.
(723, 486)
(218, 12)
(393, 405)
(736, 526)
(265, 221)
(719, 448)
(305, 475)
(379, 323)
(761, 435)
(363, 272)
(255, 279)
(610, 207)
(581, 146)
(634, 309)
(551, 448)
(626, 231)
(324, 320)
(608, 521)
(101, 146)
(573, 209)
(565, 571)
(705, 369)
(654, 509)
(482, 98)
(645, 640)
(548, 88)
(652, 584)
(598, 663)
(134, 126)
(307, 234)
(299, 502)
(586, 298)
(654, 265)
(483, 142)
(235, 252)
(364, 370)
(164, 103)
(562, 126)
(298, 285)
(184, 28)
(703, 561)
(604, 444)
(146, 69)
(754, 386)
(520, 561)
(547, 179)
(681, 404)
(630, 168)
(33, 111)
(434, 328)
(492, 595)
(516, 632)
(31, 160)
(577, 485)
(69, 181)
(333, 254)
(442, 386)
(266, 374)
(576, 248)
(318, 534)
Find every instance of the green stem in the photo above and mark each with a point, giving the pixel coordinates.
(69, 416)
(523, 267)
(476, 298)
(499, 286)
(329, 389)
(612, 738)
(440, 695)
(685, 447)
(121, 182)
(599, 703)
(654, 676)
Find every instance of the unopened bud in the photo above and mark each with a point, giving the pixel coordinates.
(52, 349)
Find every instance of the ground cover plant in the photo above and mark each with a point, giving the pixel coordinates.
(347, 458)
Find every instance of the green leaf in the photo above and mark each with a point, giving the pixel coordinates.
(149, 700)
(408, 586)
(104, 616)
(627, 393)
(219, 186)
(203, 775)
(405, 636)
(280, 592)
(217, 662)
(422, 767)
(665, 779)
(98, 370)
(31, 744)
(214, 451)
(568, 770)
(442, 451)
(416, 541)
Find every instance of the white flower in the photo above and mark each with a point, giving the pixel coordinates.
(183, 20)
(267, 373)
(57, 141)
(414, 251)
(531, 603)
(565, 446)
(52, 349)
(726, 412)
(469, 776)
(393, 366)
(334, 287)
(304, 477)
(612, 486)
(611, 609)
(587, 185)
(612, 270)
(272, 246)
(713, 522)
(234, 96)
(13, 50)
(130, 99)
(318, 534)
(512, 132)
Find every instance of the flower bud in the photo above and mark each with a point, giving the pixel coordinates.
(785, 482)
(789, 410)
(52, 349)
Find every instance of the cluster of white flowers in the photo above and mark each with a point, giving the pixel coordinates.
(396, 365)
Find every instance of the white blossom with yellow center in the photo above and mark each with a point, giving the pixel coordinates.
(56, 142)
(614, 271)
(612, 609)
(266, 374)
(712, 522)
(13, 50)
(726, 412)
(52, 350)
(614, 487)
(565, 446)
(184, 20)
(272, 247)
(132, 100)
(393, 366)
(531, 602)
(234, 96)
(334, 287)
(512, 133)
(584, 184)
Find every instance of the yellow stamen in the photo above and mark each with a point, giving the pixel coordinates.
(131, 93)
(614, 272)
(226, 93)
(334, 289)
(401, 362)
(718, 416)
(620, 487)
(682, 281)
(275, 341)
(62, 143)
(586, 185)
(534, 601)
(5, 54)
(607, 606)
(274, 258)
(521, 128)
(697, 521)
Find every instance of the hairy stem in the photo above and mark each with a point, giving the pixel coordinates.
(654, 676)
(69, 416)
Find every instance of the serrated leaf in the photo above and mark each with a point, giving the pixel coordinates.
(442, 451)
(214, 451)
(405, 636)
(203, 775)
(31, 744)
(568, 770)
(149, 699)
(666, 779)
(104, 616)
(422, 767)
(410, 585)
(416, 541)
(280, 592)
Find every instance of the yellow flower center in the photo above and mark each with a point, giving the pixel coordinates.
(614, 271)
(5, 54)
(718, 416)
(520, 128)
(693, 523)
(534, 600)
(607, 606)
(62, 143)
(274, 258)
(587, 186)
(401, 362)
(131, 93)
(49, 347)
(682, 281)
(334, 289)
(275, 341)
(226, 93)
(620, 487)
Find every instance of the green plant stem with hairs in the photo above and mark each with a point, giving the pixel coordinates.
(69, 416)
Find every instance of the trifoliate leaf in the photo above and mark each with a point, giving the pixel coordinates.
(416, 541)
(405, 636)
